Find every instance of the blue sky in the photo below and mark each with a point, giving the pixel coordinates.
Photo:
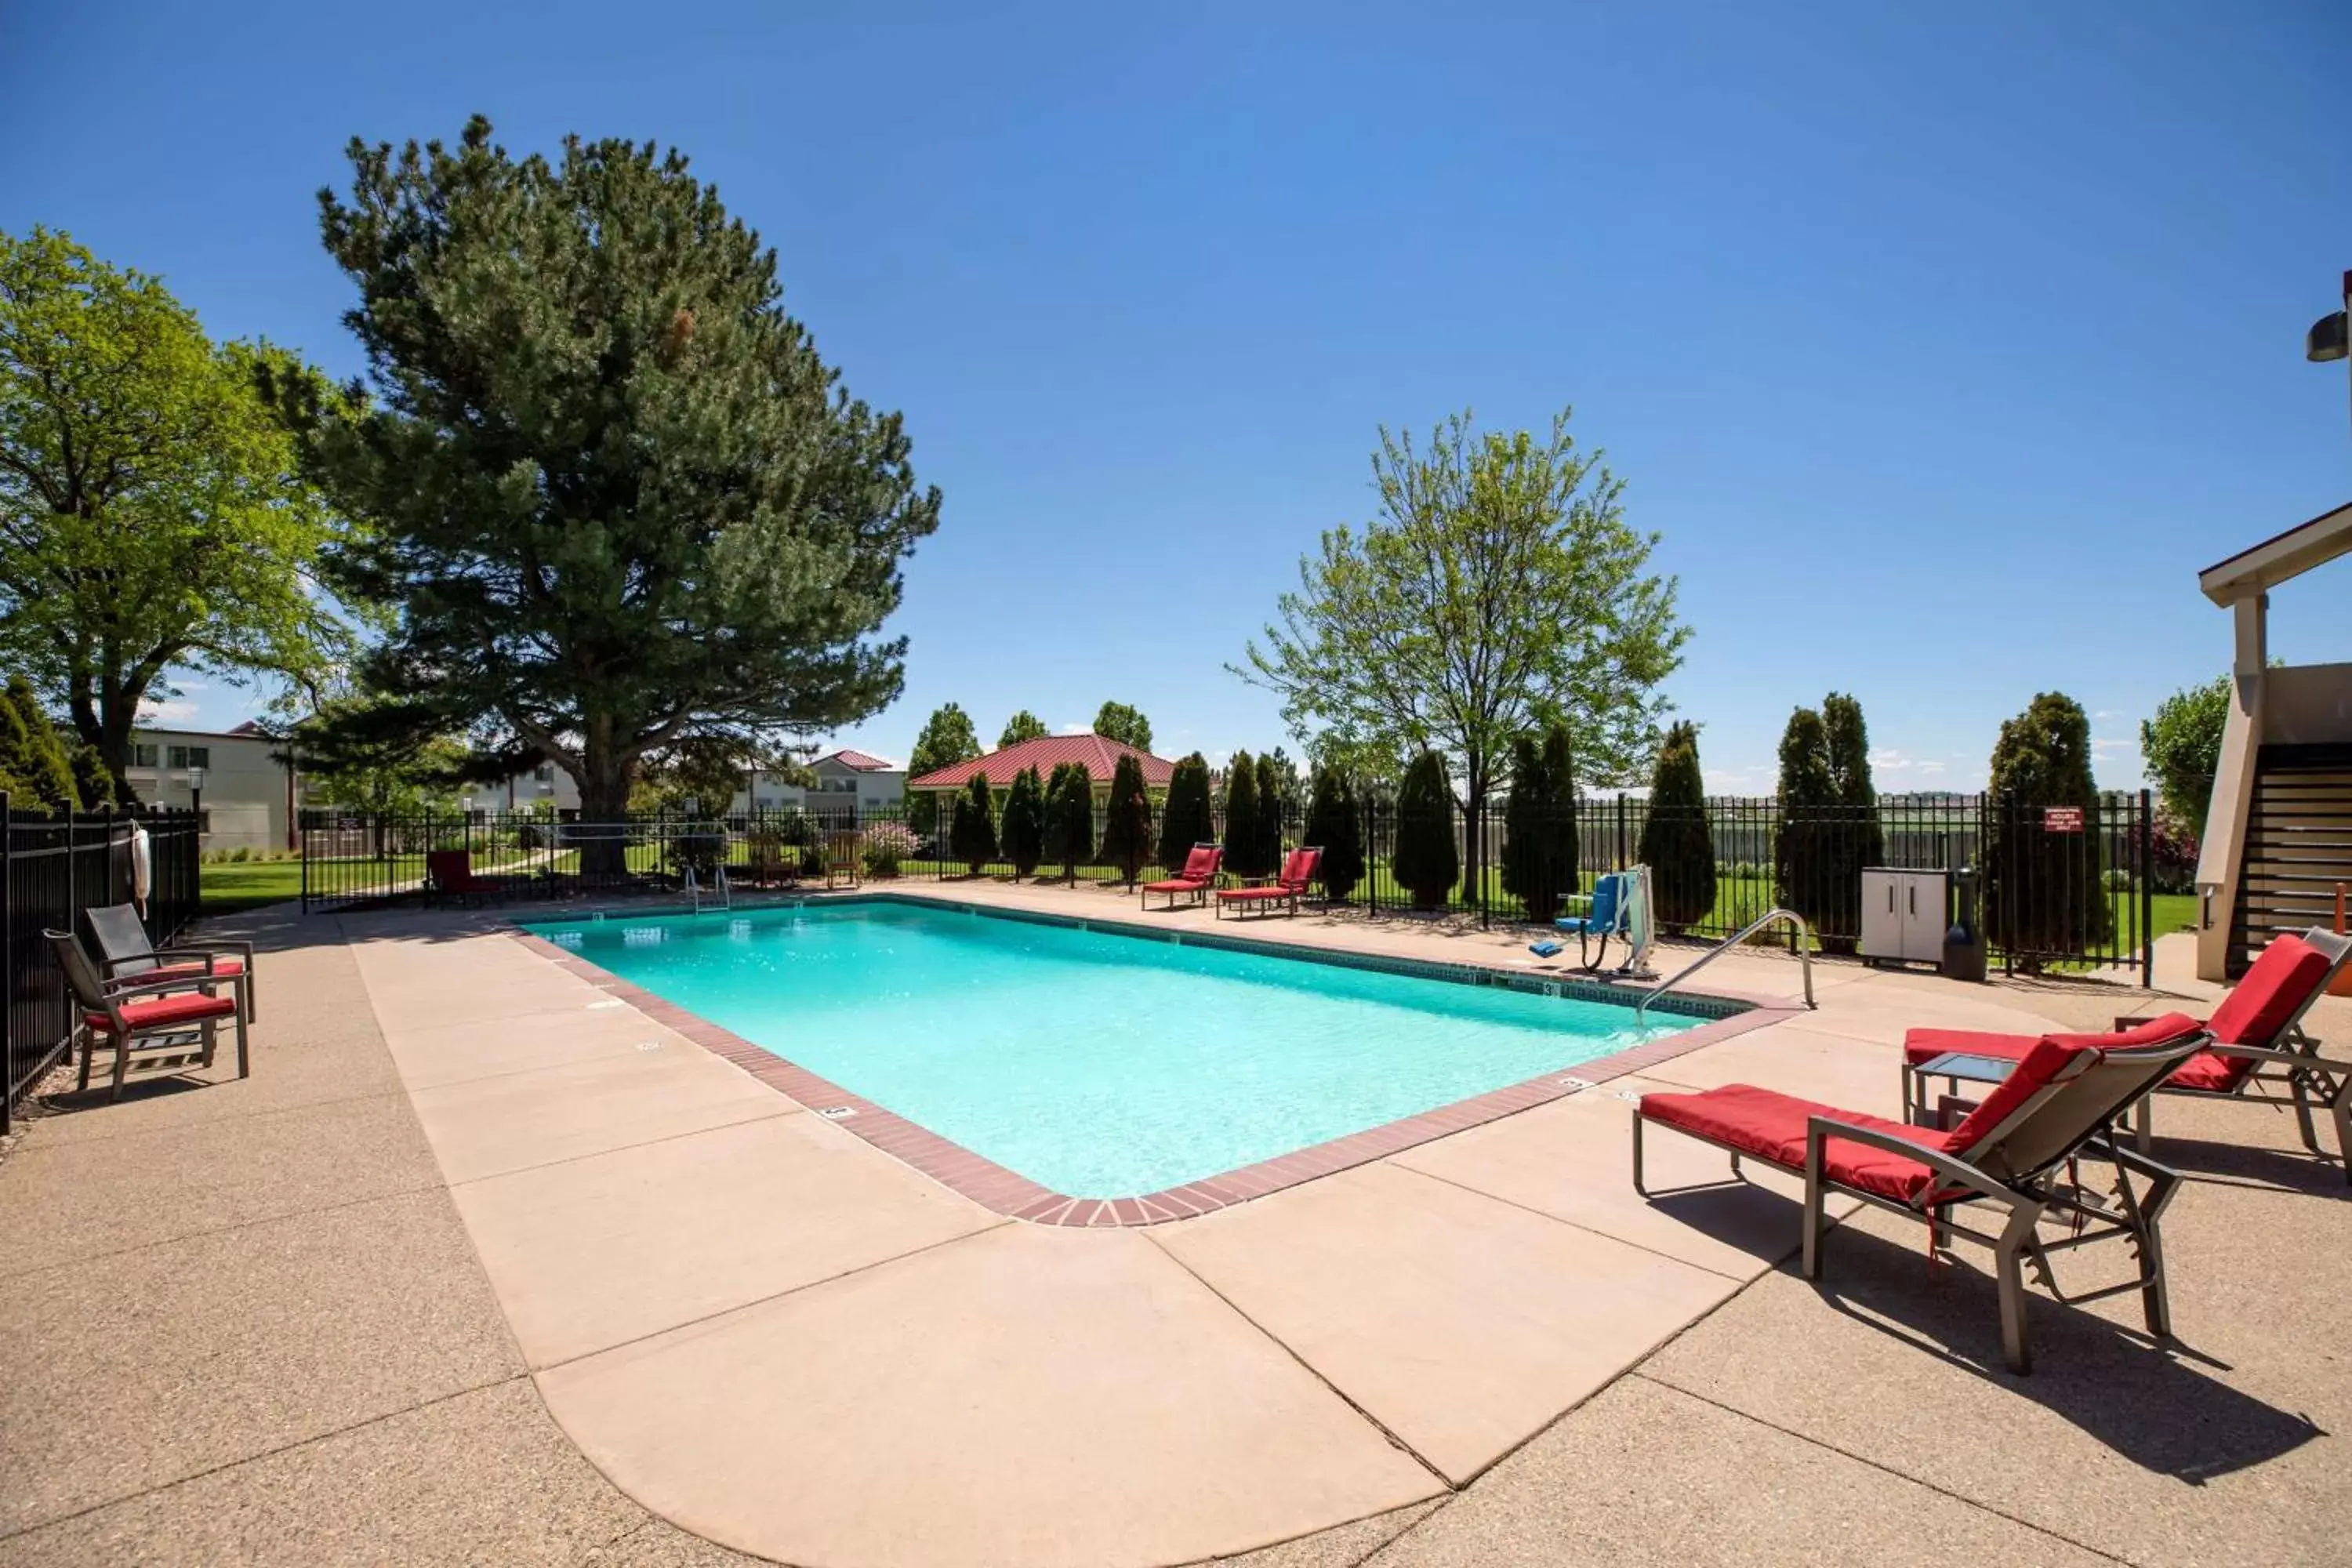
(1942, 349)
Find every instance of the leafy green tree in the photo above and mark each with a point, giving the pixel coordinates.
(151, 514)
(1335, 825)
(971, 831)
(349, 757)
(2045, 892)
(1677, 841)
(1245, 841)
(1427, 863)
(1127, 822)
(1070, 818)
(36, 767)
(1273, 810)
(92, 782)
(1023, 726)
(616, 495)
(1186, 819)
(1540, 842)
(1499, 590)
(1806, 856)
(1117, 721)
(2182, 746)
(947, 739)
(1024, 822)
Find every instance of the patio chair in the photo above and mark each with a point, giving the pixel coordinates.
(2016, 1151)
(1201, 863)
(844, 858)
(1282, 891)
(1606, 908)
(449, 874)
(124, 951)
(2258, 1044)
(162, 1019)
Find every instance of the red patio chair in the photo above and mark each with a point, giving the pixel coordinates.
(2258, 1043)
(1201, 863)
(126, 952)
(1282, 891)
(449, 874)
(2009, 1152)
(161, 1018)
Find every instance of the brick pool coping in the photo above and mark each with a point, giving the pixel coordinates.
(1008, 1193)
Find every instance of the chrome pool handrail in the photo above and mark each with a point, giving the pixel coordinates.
(1804, 956)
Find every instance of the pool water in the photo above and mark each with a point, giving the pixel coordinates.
(1094, 1064)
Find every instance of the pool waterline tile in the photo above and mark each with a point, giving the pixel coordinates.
(1006, 1192)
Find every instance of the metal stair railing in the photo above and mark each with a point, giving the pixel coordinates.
(1804, 956)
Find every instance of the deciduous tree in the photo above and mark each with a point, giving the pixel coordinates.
(2182, 746)
(1117, 721)
(1023, 726)
(947, 739)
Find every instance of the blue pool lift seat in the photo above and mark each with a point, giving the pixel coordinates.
(1605, 916)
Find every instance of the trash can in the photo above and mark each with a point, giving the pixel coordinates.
(1964, 943)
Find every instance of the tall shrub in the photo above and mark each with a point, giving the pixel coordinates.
(1186, 819)
(1070, 818)
(2043, 890)
(1024, 822)
(1427, 864)
(1539, 845)
(1244, 845)
(1273, 808)
(1805, 858)
(1864, 840)
(971, 831)
(1127, 826)
(1335, 824)
(36, 767)
(1677, 842)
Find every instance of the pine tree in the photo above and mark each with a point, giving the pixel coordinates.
(1127, 826)
(1335, 825)
(1273, 808)
(1070, 818)
(33, 759)
(1805, 859)
(1024, 822)
(1677, 842)
(2045, 892)
(1540, 842)
(1858, 839)
(1186, 819)
(1243, 842)
(972, 832)
(1427, 862)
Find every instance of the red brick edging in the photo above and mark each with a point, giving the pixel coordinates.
(1005, 1192)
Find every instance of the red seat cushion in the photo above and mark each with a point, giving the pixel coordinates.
(220, 966)
(1177, 885)
(2286, 975)
(1923, 1046)
(2210, 1072)
(1772, 1127)
(1241, 893)
(1200, 863)
(162, 1012)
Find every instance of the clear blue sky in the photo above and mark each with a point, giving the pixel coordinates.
(1943, 349)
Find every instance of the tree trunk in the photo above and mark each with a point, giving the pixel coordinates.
(605, 774)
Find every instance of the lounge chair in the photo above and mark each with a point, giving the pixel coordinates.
(1201, 863)
(2052, 1109)
(450, 874)
(1606, 908)
(1282, 891)
(163, 1019)
(2258, 1043)
(124, 951)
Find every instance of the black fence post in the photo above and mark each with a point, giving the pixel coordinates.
(2146, 892)
(8, 955)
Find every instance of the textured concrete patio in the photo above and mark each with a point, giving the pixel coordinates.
(483, 1266)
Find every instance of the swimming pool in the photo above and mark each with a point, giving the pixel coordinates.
(1094, 1063)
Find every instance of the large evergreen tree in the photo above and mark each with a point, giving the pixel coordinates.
(1186, 819)
(616, 497)
(1677, 841)
(946, 738)
(1540, 842)
(1806, 857)
(1070, 818)
(971, 831)
(1127, 820)
(1245, 842)
(1335, 825)
(1273, 810)
(1427, 862)
(1860, 838)
(1024, 828)
(36, 764)
(2044, 891)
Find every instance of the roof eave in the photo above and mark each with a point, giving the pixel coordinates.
(2279, 559)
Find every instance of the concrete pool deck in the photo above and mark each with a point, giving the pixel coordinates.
(465, 1192)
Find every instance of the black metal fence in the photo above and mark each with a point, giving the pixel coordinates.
(2061, 888)
(55, 868)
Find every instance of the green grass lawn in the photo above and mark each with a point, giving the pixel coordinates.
(226, 887)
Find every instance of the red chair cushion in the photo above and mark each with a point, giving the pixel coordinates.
(1299, 868)
(2210, 1072)
(220, 966)
(2276, 985)
(1922, 1046)
(1177, 885)
(162, 1012)
(1200, 863)
(1237, 895)
(1772, 1127)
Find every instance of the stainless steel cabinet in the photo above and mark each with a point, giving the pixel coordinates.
(1903, 915)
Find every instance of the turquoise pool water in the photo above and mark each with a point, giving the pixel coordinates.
(1098, 1065)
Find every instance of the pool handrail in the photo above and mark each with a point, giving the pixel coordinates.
(1804, 956)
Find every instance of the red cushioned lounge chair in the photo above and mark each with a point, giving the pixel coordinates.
(2053, 1108)
(1282, 892)
(449, 874)
(2258, 1044)
(1201, 863)
(126, 952)
(165, 1020)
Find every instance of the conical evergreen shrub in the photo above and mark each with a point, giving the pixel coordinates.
(1245, 845)
(1539, 844)
(1273, 807)
(1024, 822)
(971, 831)
(1677, 841)
(1127, 822)
(1805, 857)
(1427, 863)
(2045, 893)
(1335, 825)
(1857, 840)
(1070, 818)
(34, 757)
(1186, 819)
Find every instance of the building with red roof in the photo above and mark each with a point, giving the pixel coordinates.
(1047, 752)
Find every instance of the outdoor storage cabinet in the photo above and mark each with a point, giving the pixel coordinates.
(1903, 915)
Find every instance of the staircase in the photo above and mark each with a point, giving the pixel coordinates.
(2298, 845)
